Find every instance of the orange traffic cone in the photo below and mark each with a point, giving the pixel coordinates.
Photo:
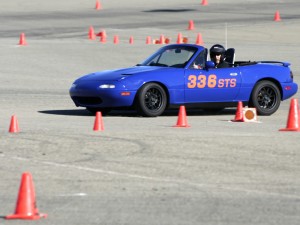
(191, 25)
(167, 40)
(277, 16)
(182, 119)
(239, 113)
(22, 39)
(98, 5)
(98, 124)
(185, 40)
(14, 125)
(162, 39)
(131, 40)
(148, 40)
(204, 2)
(199, 40)
(116, 39)
(293, 122)
(103, 36)
(26, 203)
(179, 38)
(92, 35)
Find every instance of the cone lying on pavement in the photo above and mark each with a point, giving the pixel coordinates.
(26, 204)
(293, 121)
(239, 113)
(98, 124)
(182, 119)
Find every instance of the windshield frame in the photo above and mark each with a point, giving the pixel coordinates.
(149, 61)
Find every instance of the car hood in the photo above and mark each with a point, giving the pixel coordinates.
(114, 75)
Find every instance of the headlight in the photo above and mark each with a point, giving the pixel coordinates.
(107, 86)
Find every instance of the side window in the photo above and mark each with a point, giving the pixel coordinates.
(199, 62)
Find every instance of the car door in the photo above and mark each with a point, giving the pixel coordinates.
(212, 85)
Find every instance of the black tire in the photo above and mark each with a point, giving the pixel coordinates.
(103, 111)
(265, 98)
(151, 100)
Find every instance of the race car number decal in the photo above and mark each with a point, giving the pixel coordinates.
(210, 81)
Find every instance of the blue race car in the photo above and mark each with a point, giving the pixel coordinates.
(180, 74)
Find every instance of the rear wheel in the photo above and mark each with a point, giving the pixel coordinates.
(151, 100)
(265, 98)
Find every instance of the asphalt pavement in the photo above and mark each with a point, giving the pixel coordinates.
(142, 171)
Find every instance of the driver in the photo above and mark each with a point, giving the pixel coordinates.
(217, 54)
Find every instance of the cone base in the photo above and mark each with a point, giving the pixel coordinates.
(25, 217)
(241, 120)
(181, 126)
(290, 129)
(14, 131)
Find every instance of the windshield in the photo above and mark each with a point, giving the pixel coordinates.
(171, 56)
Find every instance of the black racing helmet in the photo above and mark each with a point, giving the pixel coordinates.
(217, 49)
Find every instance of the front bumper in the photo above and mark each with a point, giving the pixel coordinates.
(90, 95)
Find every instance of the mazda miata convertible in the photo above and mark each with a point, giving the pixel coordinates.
(181, 74)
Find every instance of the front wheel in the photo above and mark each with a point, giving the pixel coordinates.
(151, 100)
(265, 98)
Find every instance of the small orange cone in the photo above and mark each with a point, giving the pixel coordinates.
(92, 35)
(239, 113)
(191, 25)
(148, 40)
(204, 2)
(199, 40)
(185, 40)
(14, 125)
(162, 39)
(103, 36)
(22, 39)
(182, 119)
(179, 38)
(293, 122)
(131, 40)
(98, 5)
(116, 39)
(277, 16)
(26, 203)
(98, 124)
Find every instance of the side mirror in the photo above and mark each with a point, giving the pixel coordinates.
(210, 64)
